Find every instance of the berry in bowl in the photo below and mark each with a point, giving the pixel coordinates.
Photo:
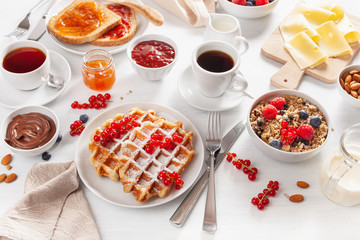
(248, 8)
(152, 56)
(348, 85)
(30, 130)
(288, 125)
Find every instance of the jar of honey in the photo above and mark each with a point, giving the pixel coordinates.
(98, 70)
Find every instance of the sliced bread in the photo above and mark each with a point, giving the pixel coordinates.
(123, 32)
(82, 21)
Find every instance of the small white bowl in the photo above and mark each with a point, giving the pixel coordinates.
(247, 11)
(152, 73)
(29, 109)
(350, 100)
(279, 154)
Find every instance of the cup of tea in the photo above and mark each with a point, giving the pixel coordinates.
(25, 64)
(215, 66)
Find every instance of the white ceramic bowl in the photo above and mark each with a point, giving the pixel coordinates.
(279, 154)
(247, 11)
(350, 100)
(24, 110)
(152, 73)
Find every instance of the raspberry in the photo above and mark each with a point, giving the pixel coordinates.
(306, 132)
(239, 2)
(269, 112)
(278, 102)
(261, 2)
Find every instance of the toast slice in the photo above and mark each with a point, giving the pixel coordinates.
(123, 32)
(82, 21)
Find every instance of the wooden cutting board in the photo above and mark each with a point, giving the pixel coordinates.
(290, 75)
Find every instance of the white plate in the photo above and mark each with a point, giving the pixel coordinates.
(112, 191)
(189, 90)
(81, 49)
(15, 98)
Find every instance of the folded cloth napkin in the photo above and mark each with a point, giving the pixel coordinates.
(193, 12)
(53, 207)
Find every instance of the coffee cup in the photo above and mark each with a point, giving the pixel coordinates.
(25, 64)
(215, 67)
(224, 27)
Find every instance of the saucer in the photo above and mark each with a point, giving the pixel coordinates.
(189, 90)
(15, 98)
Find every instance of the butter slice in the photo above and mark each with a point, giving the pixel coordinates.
(294, 24)
(348, 30)
(304, 51)
(332, 41)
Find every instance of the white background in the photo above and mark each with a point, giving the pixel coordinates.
(315, 218)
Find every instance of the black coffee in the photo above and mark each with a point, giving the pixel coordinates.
(215, 61)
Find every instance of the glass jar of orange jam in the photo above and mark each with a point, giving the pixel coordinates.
(98, 70)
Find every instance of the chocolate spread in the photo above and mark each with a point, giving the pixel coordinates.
(31, 130)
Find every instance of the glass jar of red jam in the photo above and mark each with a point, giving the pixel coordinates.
(98, 70)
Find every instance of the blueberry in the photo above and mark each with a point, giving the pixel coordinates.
(253, 2)
(295, 142)
(249, 4)
(84, 118)
(260, 122)
(59, 138)
(306, 142)
(282, 112)
(270, 1)
(286, 106)
(276, 144)
(46, 156)
(291, 117)
(303, 114)
(315, 122)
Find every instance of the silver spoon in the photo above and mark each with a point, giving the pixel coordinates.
(54, 82)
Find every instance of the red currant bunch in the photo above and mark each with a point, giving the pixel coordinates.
(169, 178)
(244, 164)
(77, 127)
(117, 129)
(99, 101)
(262, 199)
(289, 133)
(158, 140)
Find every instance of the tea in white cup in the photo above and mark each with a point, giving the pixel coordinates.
(215, 66)
(25, 64)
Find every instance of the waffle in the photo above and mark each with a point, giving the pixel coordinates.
(124, 157)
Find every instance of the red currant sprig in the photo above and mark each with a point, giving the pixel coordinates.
(116, 130)
(289, 133)
(77, 127)
(157, 140)
(169, 178)
(262, 199)
(97, 102)
(244, 164)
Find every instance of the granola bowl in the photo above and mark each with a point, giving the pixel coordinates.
(288, 125)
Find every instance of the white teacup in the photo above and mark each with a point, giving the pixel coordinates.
(224, 27)
(214, 84)
(28, 80)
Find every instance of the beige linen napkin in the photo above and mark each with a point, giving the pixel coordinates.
(53, 207)
(193, 12)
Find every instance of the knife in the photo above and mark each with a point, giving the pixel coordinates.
(39, 29)
(181, 213)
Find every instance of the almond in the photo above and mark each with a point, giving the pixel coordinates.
(2, 177)
(347, 88)
(8, 167)
(296, 198)
(354, 93)
(354, 85)
(6, 159)
(356, 77)
(345, 75)
(342, 83)
(348, 79)
(10, 178)
(354, 72)
(302, 184)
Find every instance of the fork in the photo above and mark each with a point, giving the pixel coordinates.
(213, 143)
(24, 25)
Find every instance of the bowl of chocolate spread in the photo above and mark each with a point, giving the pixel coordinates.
(30, 130)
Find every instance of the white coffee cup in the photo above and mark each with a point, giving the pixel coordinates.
(214, 84)
(224, 27)
(29, 80)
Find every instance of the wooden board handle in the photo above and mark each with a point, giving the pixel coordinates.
(289, 76)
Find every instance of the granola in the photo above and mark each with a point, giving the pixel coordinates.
(293, 113)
